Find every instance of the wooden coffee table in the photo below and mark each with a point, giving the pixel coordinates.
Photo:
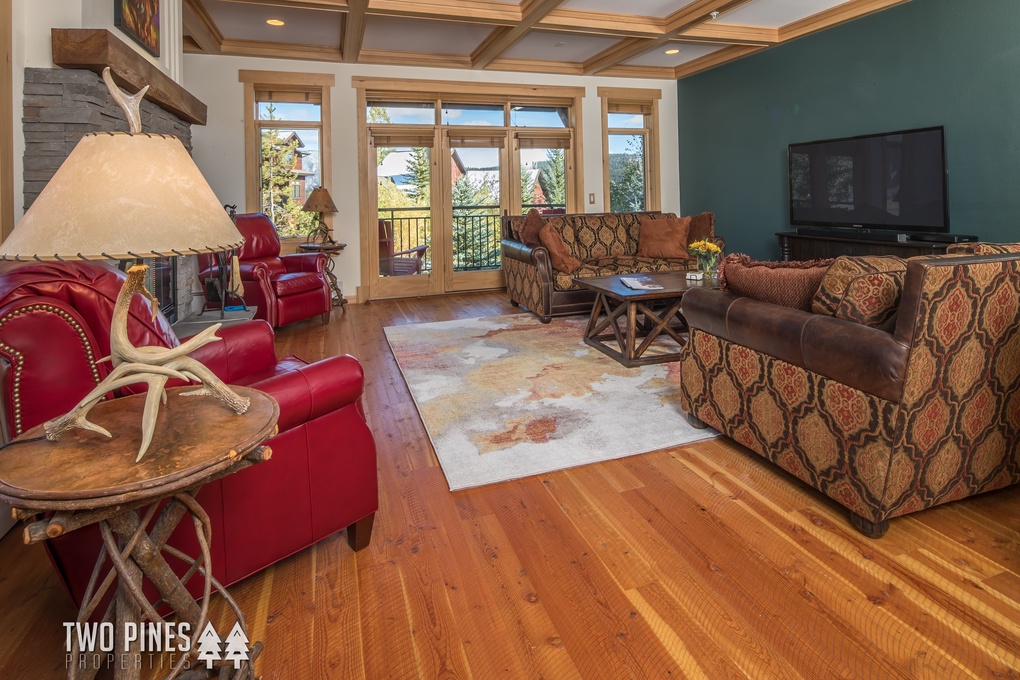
(647, 315)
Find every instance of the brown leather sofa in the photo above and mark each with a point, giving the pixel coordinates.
(883, 422)
(605, 243)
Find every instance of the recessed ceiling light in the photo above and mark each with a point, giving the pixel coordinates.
(673, 51)
(274, 22)
(559, 44)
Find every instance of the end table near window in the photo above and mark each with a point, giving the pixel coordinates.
(85, 478)
(330, 249)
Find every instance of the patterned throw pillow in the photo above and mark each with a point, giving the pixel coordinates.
(872, 299)
(983, 249)
(665, 238)
(865, 290)
(790, 284)
(532, 225)
(559, 254)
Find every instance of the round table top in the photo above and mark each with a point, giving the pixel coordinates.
(322, 247)
(194, 438)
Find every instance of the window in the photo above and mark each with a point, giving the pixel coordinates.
(286, 145)
(630, 145)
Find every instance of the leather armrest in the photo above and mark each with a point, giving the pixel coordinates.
(308, 391)
(858, 356)
(246, 348)
(304, 262)
(253, 271)
(527, 254)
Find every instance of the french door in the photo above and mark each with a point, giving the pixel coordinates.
(438, 197)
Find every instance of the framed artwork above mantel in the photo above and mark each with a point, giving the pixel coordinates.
(139, 20)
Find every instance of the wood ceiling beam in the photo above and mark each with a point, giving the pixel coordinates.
(327, 5)
(602, 23)
(731, 34)
(693, 15)
(835, 16)
(201, 27)
(662, 72)
(471, 11)
(504, 37)
(353, 30)
(257, 48)
(717, 58)
(397, 58)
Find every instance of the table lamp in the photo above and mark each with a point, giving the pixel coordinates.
(125, 196)
(319, 202)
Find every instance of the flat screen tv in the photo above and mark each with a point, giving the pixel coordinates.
(895, 180)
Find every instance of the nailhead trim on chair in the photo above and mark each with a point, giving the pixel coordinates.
(18, 358)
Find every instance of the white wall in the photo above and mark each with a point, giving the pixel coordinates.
(219, 146)
(31, 48)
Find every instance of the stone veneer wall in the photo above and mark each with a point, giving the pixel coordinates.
(63, 105)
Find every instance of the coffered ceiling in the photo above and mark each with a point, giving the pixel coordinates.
(539, 36)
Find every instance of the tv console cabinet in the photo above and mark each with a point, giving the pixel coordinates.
(794, 246)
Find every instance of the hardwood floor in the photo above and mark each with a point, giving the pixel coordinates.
(700, 562)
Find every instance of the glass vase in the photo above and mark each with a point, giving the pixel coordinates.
(708, 263)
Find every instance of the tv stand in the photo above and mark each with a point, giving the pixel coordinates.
(796, 246)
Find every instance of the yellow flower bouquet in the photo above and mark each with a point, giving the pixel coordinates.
(707, 254)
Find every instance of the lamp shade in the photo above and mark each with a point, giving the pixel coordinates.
(121, 196)
(319, 201)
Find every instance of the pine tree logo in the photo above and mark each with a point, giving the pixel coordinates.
(236, 646)
(209, 646)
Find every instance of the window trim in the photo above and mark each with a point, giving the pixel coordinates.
(311, 82)
(636, 99)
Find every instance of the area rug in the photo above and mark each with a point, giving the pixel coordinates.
(507, 397)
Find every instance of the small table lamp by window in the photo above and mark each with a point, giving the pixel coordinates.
(320, 202)
(128, 196)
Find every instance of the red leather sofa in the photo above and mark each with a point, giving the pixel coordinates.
(282, 288)
(54, 328)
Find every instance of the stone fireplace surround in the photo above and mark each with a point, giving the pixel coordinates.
(62, 105)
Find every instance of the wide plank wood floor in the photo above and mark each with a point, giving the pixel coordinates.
(697, 562)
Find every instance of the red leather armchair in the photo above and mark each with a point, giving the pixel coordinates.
(54, 328)
(283, 288)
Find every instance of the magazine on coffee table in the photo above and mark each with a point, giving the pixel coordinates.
(640, 283)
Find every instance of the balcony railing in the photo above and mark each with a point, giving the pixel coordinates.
(476, 234)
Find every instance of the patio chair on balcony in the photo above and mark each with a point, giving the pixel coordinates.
(402, 262)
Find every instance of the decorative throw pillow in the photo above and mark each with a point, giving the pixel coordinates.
(702, 227)
(533, 224)
(872, 299)
(665, 238)
(844, 270)
(790, 284)
(983, 248)
(559, 254)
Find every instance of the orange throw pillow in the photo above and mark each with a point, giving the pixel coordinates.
(533, 224)
(559, 255)
(665, 238)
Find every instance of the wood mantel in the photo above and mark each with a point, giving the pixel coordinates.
(97, 48)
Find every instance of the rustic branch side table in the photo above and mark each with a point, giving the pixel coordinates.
(86, 479)
(330, 249)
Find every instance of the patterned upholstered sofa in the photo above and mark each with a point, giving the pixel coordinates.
(884, 421)
(605, 243)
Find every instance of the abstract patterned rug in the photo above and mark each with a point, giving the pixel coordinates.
(507, 397)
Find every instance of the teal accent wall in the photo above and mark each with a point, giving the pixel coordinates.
(921, 64)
